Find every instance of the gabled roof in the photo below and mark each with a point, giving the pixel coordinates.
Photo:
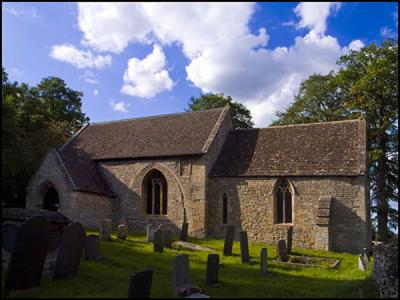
(317, 149)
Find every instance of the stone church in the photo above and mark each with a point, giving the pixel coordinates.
(195, 167)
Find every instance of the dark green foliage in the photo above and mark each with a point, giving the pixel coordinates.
(33, 120)
(241, 116)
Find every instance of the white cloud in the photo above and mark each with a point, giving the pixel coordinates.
(23, 11)
(79, 58)
(120, 106)
(386, 32)
(146, 78)
(95, 92)
(88, 77)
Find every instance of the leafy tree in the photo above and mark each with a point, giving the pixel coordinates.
(366, 84)
(241, 116)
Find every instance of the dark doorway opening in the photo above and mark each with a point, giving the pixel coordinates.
(51, 200)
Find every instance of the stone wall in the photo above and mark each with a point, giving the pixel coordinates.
(385, 270)
(251, 207)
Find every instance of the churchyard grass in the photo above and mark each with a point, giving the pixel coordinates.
(110, 278)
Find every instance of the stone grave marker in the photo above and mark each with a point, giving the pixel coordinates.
(244, 247)
(263, 260)
(366, 256)
(361, 263)
(28, 256)
(181, 277)
(122, 232)
(280, 247)
(167, 238)
(289, 240)
(70, 251)
(105, 230)
(229, 236)
(212, 269)
(140, 284)
(158, 243)
(184, 232)
(92, 247)
(149, 233)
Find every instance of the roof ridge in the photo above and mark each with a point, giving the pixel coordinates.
(155, 116)
(313, 123)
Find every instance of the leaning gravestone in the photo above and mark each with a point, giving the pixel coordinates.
(263, 260)
(122, 232)
(181, 277)
(230, 234)
(140, 284)
(212, 269)
(70, 251)
(149, 233)
(361, 263)
(158, 243)
(244, 247)
(105, 230)
(289, 240)
(280, 247)
(92, 247)
(167, 234)
(184, 232)
(28, 256)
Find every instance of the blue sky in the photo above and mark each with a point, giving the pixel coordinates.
(134, 60)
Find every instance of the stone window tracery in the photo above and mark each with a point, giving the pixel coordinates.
(284, 202)
(156, 193)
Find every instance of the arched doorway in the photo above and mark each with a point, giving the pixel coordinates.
(155, 191)
(51, 199)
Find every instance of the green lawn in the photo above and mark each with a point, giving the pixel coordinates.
(110, 278)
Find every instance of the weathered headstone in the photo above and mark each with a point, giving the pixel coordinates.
(167, 238)
(289, 240)
(70, 251)
(28, 256)
(180, 266)
(149, 233)
(92, 247)
(140, 284)
(244, 247)
(229, 236)
(212, 269)
(122, 232)
(366, 256)
(105, 230)
(280, 247)
(158, 243)
(264, 260)
(184, 232)
(361, 263)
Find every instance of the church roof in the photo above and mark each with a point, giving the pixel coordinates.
(317, 149)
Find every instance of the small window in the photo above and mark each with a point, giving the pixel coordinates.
(224, 209)
(283, 202)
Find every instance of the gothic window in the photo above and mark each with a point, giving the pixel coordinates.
(156, 193)
(224, 209)
(283, 202)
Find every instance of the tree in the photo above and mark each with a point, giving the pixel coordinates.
(241, 116)
(366, 84)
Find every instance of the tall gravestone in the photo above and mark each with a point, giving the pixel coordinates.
(264, 260)
(366, 256)
(244, 247)
(140, 284)
(92, 247)
(180, 266)
(149, 233)
(70, 251)
(280, 247)
(229, 236)
(105, 230)
(28, 255)
(361, 263)
(122, 232)
(289, 240)
(212, 269)
(158, 243)
(184, 232)
(167, 234)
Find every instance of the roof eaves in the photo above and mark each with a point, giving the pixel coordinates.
(215, 129)
(65, 168)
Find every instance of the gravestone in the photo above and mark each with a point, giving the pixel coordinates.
(244, 247)
(280, 247)
(92, 247)
(366, 256)
(158, 243)
(28, 256)
(140, 284)
(70, 251)
(105, 230)
(9, 233)
(167, 238)
(289, 240)
(361, 263)
(122, 232)
(180, 266)
(184, 232)
(212, 269)
(229, 236)
(264, 260)
(149, 233)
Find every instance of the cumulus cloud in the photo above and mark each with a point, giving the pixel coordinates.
(79, 58)
(120, 106)
(146, 78)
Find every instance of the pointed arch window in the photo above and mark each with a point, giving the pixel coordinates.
(284, 202)
(156, 193)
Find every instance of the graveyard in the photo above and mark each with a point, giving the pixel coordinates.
(110, 276)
